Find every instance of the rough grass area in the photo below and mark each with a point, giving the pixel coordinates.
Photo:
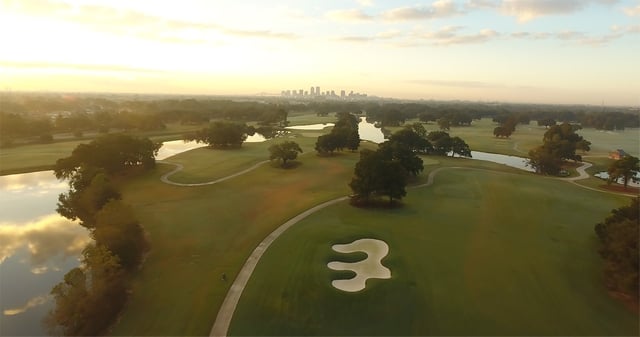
(477, 253)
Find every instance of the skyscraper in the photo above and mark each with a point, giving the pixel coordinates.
(312, 91)
(318, 91)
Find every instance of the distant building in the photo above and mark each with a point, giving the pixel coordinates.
(618, 154)
(301, 92)
(342, 93)
(313, 91)
(318, 91)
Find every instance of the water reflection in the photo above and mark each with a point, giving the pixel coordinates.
(174, 147)
(37, 247)
(45, 238)
(368, 131)
(605, 176)
(310, 126)
(32, 303)
(512, 161)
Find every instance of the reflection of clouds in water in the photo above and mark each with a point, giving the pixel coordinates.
(37, 182)
(44, 238)
(32, 303)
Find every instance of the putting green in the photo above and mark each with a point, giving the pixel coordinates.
(469, 257)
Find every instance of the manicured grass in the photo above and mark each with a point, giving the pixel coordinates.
(199, 233)
(477, 253)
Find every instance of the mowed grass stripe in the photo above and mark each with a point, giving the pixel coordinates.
(478, 253)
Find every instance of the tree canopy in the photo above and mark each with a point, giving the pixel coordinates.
(285, 151)
(376, 174)
(626, 168)
(112, 153)
(221, 135)
(619, 236)
(343, 135)
(560, 143)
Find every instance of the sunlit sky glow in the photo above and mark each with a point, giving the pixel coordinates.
(547, 51)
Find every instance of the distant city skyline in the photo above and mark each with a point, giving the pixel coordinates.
(315, 92)
(566, 52)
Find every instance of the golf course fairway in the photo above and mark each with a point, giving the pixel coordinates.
(477, 253)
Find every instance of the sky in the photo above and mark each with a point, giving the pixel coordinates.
(536, 51)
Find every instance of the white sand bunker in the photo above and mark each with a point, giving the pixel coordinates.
(371, 267)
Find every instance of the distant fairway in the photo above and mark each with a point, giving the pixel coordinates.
(468, 256)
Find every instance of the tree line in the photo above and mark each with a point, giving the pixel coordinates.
(81, 114)
(91, 296)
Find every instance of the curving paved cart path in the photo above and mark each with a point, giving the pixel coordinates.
(223, 319)
(179, 167)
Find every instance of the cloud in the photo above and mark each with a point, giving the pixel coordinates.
(75, 66)
(451, 35)
(632, 11)
(131, 22)
(365, 3)
(527, 10)
(582, 38)
(32, 303)
(438, 9)
(481, 4)
(462, 84)
(388, 35)
(349, 15)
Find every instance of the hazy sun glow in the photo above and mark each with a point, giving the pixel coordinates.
(579, 51)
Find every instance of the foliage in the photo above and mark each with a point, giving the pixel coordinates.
(117, 228)
(460, 147)
(83, 201)
(444, 123)
(441, 142)
(326, 144)
(412, 139)
(544, 160)
(90, 297)
(112, 153)
(404, 155)
(619, 238)
(560, 143)
(343, 135)
(221, 135)
(376, 174)
(507, 126)
(626, 168)
(287, 150)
